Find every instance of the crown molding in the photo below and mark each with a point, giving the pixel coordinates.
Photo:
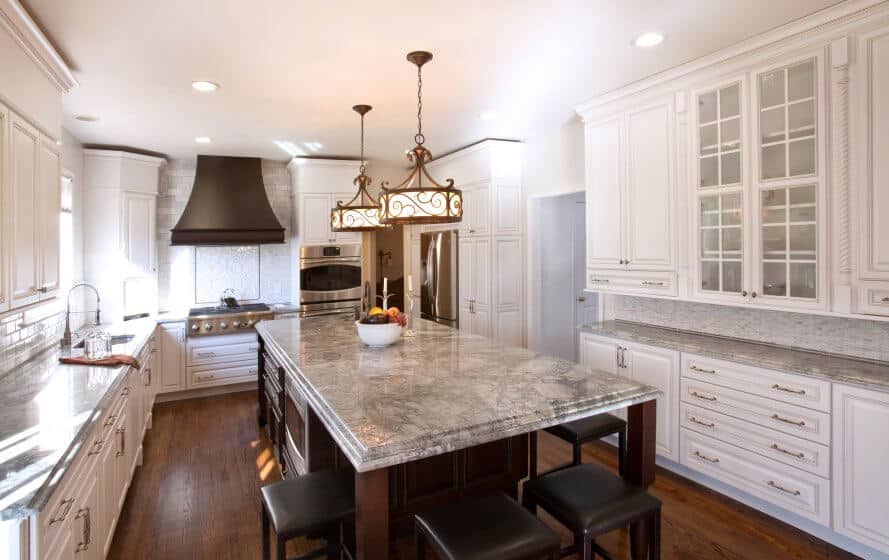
(844, 13)
(25, 31)
(94, 153)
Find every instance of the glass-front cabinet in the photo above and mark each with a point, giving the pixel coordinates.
(759, 187)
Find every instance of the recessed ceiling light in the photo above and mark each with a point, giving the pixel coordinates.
(86, 118)
(202, 139)
(650, 39)
(204, 86)
(487, 115)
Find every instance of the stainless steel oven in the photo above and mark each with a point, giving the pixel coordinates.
(329, 278)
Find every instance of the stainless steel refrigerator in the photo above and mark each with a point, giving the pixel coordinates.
(439, 277)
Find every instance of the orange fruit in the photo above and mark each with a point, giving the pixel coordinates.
(376, 311)
(393, 311)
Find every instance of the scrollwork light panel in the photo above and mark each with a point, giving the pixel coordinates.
(218, 268)
(429, 206)
(355, 218)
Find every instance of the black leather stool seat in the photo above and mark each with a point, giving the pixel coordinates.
(314, 501)
(590, 498)
(486, 528)
(586, 429)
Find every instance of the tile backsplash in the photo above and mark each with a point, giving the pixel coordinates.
(27, 333)
(860, 338)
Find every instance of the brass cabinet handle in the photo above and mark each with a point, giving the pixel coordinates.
(652, 283)
(789, 390)
(799, 423)
(700, 396)
(123, 442)
(64, 509)
(753, 294)
(125, 392)
(147, 382)
(777, 486)
(702, 370)
(701, 422)
(97, 448)
(743, 293)
(207, 354)
(600, 280)
(252, 371)
(110, 420)
(699, 455)
(780, 449)
(885, 300)
(87, 538)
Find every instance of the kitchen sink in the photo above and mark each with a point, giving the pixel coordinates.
(116, 339)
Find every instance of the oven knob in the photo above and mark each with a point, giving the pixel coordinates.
(236, 324)
(223, 325)
(250, 322)
(208, 326)
(194, 327)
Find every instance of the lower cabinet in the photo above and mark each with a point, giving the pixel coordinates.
(860, 459)
(171, 338)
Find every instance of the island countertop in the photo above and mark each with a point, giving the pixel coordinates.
(438, 391)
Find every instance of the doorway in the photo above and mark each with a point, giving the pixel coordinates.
(558, 268)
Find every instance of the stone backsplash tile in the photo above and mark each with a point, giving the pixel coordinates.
(25, 334)
(860, 338)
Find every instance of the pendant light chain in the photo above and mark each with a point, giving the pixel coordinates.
(363, 166)
(419, 138)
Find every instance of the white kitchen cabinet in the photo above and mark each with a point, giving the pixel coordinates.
(507, 210)
(507, 290)
(5, 210)
(49, 182)
(476, 210)
(171, 345)
(314, 222)
(604, 194)
(860, 456)
(475, 285)
(24, 145)
(139, 239)
(82, 544)
(599, 354)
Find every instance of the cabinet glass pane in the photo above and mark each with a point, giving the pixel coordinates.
(710, 171)
(801, 81)
(802, 157)
(710, 243)
(803, 277)
(771, 88)
(707, 108)
(774, 281)
(773, 161)
(731, 210)
(730, 134)
(774, 242)
(773, 206)
(731, 242)
(730, 101)
(721, 265)
(710, 211)
(789, 241)
(771, 125)
(708, 139)
(802, 119)
(731, 277)
(710, 276)
(802, 242)
(731, 168)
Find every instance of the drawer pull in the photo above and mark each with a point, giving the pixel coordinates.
(699, 455)
(123, 442)
(702, 370)
(701, 422)
(207, 354)
(64, 509)
(885, 300)
(780, 449)
(97, 448)
(700, 396)
(252, 372)
(799, 423)
(110, 420)
(789, 390)
(777, 486)
(652, 283)
(253, 348)
(87, 537)
(600, 280)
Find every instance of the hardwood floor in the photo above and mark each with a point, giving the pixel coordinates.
(197, 496)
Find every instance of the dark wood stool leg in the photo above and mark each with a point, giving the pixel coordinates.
(655, 537)
(577, 448)
(639, 539)
(282, 549)
(265, 535)
(532, 461)
(529, 503)
(621, 451)
(419, 544)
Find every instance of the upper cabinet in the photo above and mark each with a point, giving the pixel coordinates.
(318, 184)
(314, 219)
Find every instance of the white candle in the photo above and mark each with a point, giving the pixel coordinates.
(410, 283)
(385, 285)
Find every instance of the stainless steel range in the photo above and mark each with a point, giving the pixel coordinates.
(240, 318)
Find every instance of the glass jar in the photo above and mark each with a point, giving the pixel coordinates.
(97, 345)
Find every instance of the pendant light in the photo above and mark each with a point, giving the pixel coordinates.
(362, 213)
(412, 201)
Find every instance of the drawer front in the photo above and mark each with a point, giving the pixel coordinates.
(873, 300)
(222, 375)
(795, 490)
(632, 282)
(198, 355)
(784, 448)
(790, 419)
(784, 387)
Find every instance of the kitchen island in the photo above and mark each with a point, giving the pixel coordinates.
(439, 393)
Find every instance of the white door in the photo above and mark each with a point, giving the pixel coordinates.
(314, 223)
(139, 234)
(49, 215)
(25, 242)
(599, 354)
(860, 456)
(586, 308)
(172, 348)
(343, 237)
(649, 192)
(659, 368)
(603, 193)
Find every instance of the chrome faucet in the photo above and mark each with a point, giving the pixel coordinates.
(365, 299)
(66, 338)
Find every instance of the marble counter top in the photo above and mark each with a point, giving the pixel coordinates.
(874, 375)
(47, 410)
(439, 391)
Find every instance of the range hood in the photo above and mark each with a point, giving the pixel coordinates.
(228, 205)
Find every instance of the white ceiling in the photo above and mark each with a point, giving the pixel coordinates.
(291, 70)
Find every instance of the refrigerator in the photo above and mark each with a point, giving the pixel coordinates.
(439, 275)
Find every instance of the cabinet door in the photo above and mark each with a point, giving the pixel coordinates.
(25, 242)
(507, 210)
(860, 456)
(122, 442)
(139, 234)
(598, 354)
(49, 213)
(481, 319)
(481, 276)
(85, 544)
(344, 237)
(604, 177)
(649, 191)
(314, 222)
(172, 360)
(659, 368)
(108, 491)
(478, 206)
(5, 201)
(466, 259)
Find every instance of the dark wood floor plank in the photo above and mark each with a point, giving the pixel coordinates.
(197, 496)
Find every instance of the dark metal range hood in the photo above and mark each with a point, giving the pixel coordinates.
(228, 205)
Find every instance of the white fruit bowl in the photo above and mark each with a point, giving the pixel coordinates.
(378, 336)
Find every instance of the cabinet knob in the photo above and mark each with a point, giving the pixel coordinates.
(753, 294)
(744, 293)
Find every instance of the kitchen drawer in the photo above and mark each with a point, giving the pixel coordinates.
(795, 490)
(208, 377)
(788, 418)
(198, 355)
(785, 387)
(790, 450)
(632, 282)
(873, 300)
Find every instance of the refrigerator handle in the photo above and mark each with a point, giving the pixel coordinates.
(430, 270)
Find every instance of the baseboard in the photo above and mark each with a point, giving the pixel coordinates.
(206, 392)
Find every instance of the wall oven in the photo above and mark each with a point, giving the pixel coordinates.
(329, 278)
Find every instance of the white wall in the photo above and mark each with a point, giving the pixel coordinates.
(553, 159)
(72, 163)
(26, 89)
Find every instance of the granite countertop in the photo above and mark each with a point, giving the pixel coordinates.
(438, 391)
(47, 411)
(874, 375)
(181, 315)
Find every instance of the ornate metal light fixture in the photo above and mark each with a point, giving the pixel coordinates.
(362, 213)
(412, 202)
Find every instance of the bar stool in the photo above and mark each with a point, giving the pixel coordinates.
(590, 501)
(315, 503)
(491, 527)
(582, 431)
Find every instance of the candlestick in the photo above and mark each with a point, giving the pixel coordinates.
(408, 331)
(385, 285)
(410, 283)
